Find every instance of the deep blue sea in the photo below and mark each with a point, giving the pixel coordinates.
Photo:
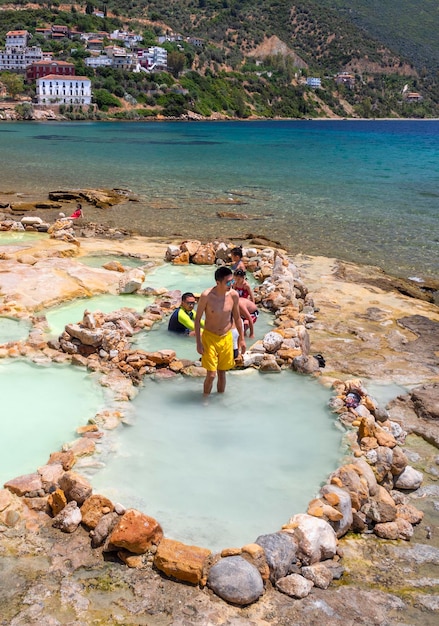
(366, 191)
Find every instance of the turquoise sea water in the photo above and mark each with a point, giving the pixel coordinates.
(366, 191)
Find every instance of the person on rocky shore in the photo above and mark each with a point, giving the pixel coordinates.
(219, 305)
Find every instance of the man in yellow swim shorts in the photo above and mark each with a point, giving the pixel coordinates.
(219, 305)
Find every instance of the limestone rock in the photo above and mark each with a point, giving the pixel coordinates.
(320, 575)
(135, 532)
(131, 281)
(103, 528)
(387, 530)
(340, 499)
(26, 484)
(181, 561)
(405, 529)
(94, 508)
(172, 252)
(68, 519)
(269, 364)
(316, 539)
(348, 478)
(66, 458)
(426, 401)
(399, 461)
(191, 246)
(280, 552)
(75, 487)
(381, 507)
(181, 259)
(236, 580)
(409, 513)
(272, 341)
(50, 475)
(409, 479)
(89, 337)
(57, 501)
(305, 364)
(365, 471)
(295, 586)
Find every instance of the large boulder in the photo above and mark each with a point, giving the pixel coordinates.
(94, 508)
(89, 337)
(409, 479)
(136, 532)
(236, 580)
(316, 539)
(68, 519)
(75, 487)
(341, 500)
(28, 484)
(280, 552)
(181, 561)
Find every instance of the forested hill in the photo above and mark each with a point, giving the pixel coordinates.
(258, 58)
(327, 32)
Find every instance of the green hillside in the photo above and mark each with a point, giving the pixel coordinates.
(256, 55)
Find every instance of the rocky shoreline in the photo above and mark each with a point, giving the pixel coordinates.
(360, 496)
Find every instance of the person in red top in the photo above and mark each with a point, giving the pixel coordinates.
(78, 213)
(247, 307)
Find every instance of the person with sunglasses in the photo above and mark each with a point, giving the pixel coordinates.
(220, 306)
(182, 320)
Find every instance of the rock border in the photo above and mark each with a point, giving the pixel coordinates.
(366, 494)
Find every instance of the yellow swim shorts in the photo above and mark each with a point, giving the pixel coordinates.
(218, 351)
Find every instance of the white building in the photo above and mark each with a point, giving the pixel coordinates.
(314, 82)
(154, 58)
(17, 56)
(53, 89)
(100, 61)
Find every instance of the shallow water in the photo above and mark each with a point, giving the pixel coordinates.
(363, 190)
(41, 408)
(220, 475)
(13, 330)
(100, 260)
(8, 238)
(195, 278)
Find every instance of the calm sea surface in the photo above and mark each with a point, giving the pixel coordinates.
(362, 191)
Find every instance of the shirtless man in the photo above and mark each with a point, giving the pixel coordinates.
(219, 305)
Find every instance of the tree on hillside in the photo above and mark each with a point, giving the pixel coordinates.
(13, 82)
(176, 63)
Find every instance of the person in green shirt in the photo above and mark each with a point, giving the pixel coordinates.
(183, 319)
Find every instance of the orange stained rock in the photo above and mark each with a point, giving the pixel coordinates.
(136, 532)
(57, 501)
(181, 561)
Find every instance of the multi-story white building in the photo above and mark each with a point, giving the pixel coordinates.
(154, 58)
(54, 89)
(99, 61)
(17, 55)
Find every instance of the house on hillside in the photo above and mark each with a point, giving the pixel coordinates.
(153, 59)
(60, 32)
(314, 82)
(98, 60)
(344, 78)
(129, 39)
(412, 96)
(44, 68)
(17, 55)
(54, 89)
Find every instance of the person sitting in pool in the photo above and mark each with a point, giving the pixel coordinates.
(183, 319)
(247, 307)
(237, 262)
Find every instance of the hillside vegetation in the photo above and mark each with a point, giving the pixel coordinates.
(256, 55)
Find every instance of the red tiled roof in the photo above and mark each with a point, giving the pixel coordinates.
(58, 77)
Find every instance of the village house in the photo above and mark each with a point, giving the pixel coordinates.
(412, 96)
(344, 78)
(98, 60)
(17, 55)
(54, 89)
(129, 39)
(153, 59)
(44, 68)
(60, 32)
(121, 59)
(314, 82)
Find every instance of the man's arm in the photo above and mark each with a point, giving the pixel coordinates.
(238, 321)
(187, 321)
(200, 311)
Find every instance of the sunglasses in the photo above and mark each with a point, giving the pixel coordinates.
(229, 283)
(190, 303)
